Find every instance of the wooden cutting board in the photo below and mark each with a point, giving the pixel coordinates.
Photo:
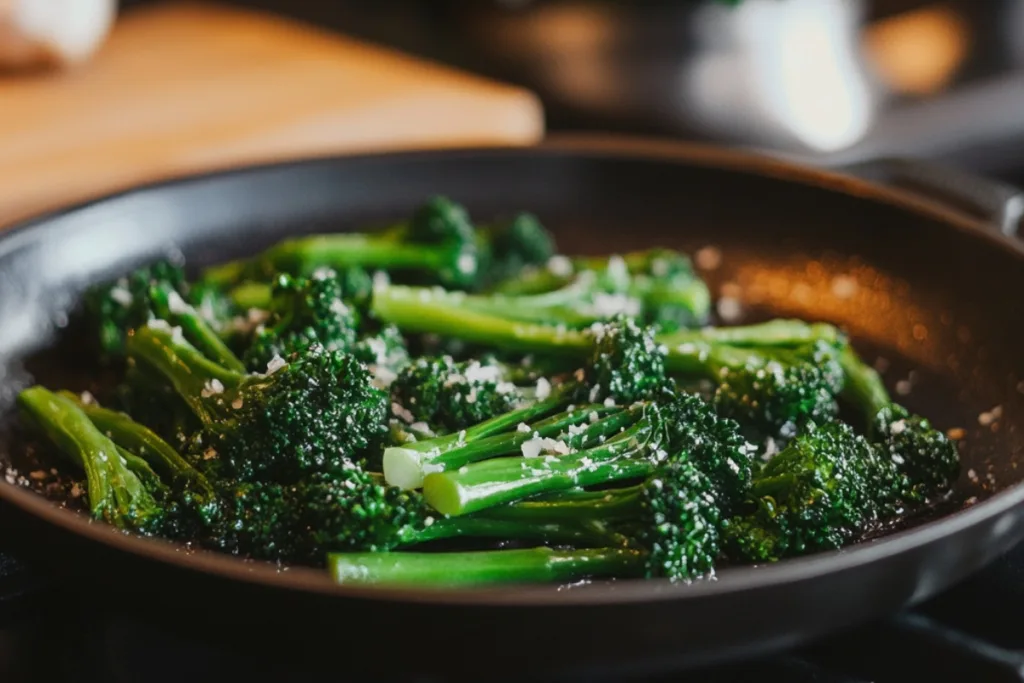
(189, 87)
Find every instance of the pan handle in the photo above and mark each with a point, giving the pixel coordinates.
(995, 203)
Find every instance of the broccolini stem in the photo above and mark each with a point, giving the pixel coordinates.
(226, 274)
(772, 485)
(565, 305)
(495, 425)
(180, 363)
(143, 442)
(863, 387)
(505, 480)
(248, 295)
(115, 493)
(707, 359)
(403, 465)
(420, 309)
(406, 467)
(777, 332)
(535, 283)
(614, 505)
(301, 256)
(141, 469)
(172, 308)
(578, 533)
(480, 567)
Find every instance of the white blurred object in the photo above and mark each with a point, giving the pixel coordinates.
(782, 72)
(52, 32)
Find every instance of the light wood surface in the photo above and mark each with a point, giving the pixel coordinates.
(190, 87)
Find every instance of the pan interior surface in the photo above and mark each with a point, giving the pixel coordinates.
(932, 304)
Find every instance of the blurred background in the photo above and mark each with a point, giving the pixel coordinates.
(833, 80)
(101, 94)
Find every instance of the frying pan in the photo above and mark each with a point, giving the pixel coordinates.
(919, 264)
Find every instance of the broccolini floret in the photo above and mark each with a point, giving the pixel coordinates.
(626, 363)
(819, 493)
(509, 246)
(309, 413)
(453, 395)
(304, 311)
(923, 453)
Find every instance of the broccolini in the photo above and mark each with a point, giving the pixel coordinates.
(403, 405)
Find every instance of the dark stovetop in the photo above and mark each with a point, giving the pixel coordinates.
(57, 633)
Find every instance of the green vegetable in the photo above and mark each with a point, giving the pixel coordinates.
(681, 430)
(483, 567)
(443, 402)
(314, 413)
(826, 487)
(116, 494)
(303, 312)
(154, 292)
(675, 520)
(438, 243)
(922, 453)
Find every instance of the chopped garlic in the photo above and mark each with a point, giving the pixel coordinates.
(543, 389)
(121, 296)
(401, 411)
(560, 266)
(212, 387)
(534, 447)
(382, 376)
(275, 364)
(177, 305)
(467, 264)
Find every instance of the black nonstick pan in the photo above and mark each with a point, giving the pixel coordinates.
(928, 281)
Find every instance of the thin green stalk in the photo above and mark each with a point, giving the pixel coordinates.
(406, 467)
(140, 468)
(708, 359)
(172, 308)
(580, 507)
(863, 387)
(181, 364)
(578, 533)
(503, 444)
(777, 332)
(505, 480)
(418, 309)
(567, 305)
(115, 493)
(143, 442)
(533, 565)
(248, 295)
(301, 256)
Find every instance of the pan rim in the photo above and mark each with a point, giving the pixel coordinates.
(729, 581)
